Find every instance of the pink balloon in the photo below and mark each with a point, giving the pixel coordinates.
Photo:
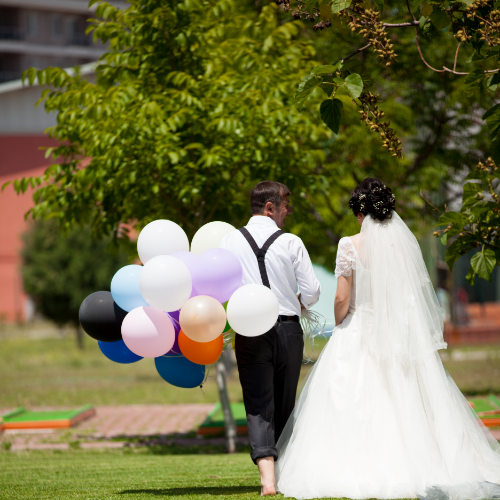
(148, 332)
(190, 259)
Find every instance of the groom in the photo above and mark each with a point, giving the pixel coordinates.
(269, 364)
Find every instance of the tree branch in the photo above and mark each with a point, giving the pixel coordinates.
(425, 199)
(355, 52)
(456, 56)
(445, 69)
(410, 11)
(401, 25)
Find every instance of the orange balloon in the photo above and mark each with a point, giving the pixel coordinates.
(201, 353)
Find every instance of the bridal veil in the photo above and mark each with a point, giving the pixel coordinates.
(379, 416)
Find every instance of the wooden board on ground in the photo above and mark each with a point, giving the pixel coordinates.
(214, 423)
(52, 419)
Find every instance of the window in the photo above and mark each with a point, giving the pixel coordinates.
(32, 23)
(56, 26)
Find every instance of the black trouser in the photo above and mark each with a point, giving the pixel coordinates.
(269, 369)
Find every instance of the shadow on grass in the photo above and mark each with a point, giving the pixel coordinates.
(192, 450)
(212, 490)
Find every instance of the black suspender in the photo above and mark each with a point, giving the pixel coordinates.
(260, 253)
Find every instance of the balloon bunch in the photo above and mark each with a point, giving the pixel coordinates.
(179, 306)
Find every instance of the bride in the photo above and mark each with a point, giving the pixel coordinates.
(379, 416)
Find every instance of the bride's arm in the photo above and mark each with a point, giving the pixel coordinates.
(342, 298)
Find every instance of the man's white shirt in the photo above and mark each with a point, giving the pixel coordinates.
(288, 264)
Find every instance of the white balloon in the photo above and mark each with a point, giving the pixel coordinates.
(210, 236)
(161, 237)
(165, 283)
(252, 310)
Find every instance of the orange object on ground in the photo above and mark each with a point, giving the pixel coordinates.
(201, 353)
(52, 419)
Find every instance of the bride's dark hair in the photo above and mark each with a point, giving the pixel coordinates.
(373, 197)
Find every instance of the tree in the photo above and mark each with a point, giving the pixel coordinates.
(471, 26)
(476, 224)
(59, 272)
(188, 112)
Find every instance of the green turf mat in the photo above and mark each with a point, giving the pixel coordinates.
(216, 417)
(489, 403)
(23, 415)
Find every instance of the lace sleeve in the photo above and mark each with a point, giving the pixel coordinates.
(346, 258)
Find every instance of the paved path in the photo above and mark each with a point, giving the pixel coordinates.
(156, 424)
(144, 420)
(151, 424)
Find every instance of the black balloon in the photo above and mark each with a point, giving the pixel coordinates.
(101, 318)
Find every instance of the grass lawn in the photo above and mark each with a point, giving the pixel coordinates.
(53, 372)
(132, 475)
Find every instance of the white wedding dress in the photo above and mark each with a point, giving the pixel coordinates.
(379, 416)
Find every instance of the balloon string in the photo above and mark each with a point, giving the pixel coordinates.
(313, 324)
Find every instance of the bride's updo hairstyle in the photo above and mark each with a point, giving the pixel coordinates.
(373, 198)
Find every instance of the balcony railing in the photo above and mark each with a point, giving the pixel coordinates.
(8, 76)
(78, 39)
(10, 33)
(15, 33)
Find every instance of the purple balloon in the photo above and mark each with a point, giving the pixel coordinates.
(217, 273)
(174, 317)
(190, 259)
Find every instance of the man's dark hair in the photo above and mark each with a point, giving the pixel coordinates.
(266, 191)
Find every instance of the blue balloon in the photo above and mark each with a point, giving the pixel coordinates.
(118, 352)
(125, 288)
(179, 371)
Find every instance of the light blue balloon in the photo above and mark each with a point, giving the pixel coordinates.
(125, 288)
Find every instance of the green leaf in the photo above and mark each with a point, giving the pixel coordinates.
(354, 85)
(476, 174)
(469, 197)
(483, 263)
(470, 276)
(331, 110)
(479, 55)
(5, 185)
(440, 19)
(474, 79)
(426, 11)
(305, 89)
(492, 118)
(379, 4)
(495, 151)
(340, 5)
(327, 86)
(452, 254)
(310, 4)
(451, 218)
(494, 81)
(416, 3)
(326, 69)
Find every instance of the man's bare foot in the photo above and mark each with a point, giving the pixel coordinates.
(267, 490)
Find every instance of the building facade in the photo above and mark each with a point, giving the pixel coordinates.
(33, 33)
(43, 33)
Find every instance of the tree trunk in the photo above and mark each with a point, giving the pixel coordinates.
(79, 336)
(229, 424)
